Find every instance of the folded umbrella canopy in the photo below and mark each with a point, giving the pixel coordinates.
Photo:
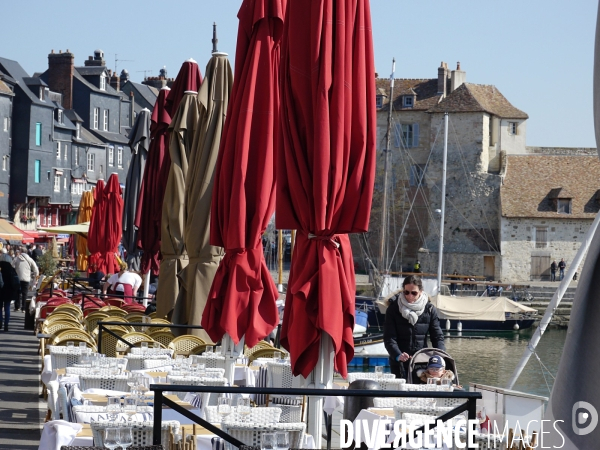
(182, 130)
(84, 216)
(243, 295)
(196, 278)
(139, 142)
(148, 216)
(105, 227)
(326, 170)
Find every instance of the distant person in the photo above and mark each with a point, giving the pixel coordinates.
(27, 270)
(417, 267)
(123, 284)
(96, 276)
(553, 268)
(9, 290)
(561, 267)
(409, 320)
(453, 284)
(36, 253)
(4, 256)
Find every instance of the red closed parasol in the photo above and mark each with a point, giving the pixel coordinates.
(148, 215)
(326, 170)
(242, 297)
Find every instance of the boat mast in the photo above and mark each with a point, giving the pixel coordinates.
(387, 162)
(556, 298)
(443, 206)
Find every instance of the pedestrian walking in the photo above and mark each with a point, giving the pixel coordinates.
(561, 267)
(553, 268)
(9, 290)
(27, 270)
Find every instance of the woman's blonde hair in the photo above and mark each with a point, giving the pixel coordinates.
(123, 266)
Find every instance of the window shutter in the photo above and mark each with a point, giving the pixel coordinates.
(397, 134)
(415, 134)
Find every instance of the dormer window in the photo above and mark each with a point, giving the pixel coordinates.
(408, 101)
(563, 206)
(42, 90)
(102, 82)
(78, 130)
(379, 101)
(60, 116)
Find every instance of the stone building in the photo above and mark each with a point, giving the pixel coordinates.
(548, 203)
(483, 125)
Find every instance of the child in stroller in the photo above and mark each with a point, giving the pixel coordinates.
(432, 363)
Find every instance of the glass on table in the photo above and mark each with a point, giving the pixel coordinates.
(201, 371)
(243, 408)
(276, 356)
(209, 349)
(111, 438)
(379, 371)
(156, 345)
(113, 407)
(178, 362)
(446, 384)
(224, 407)
(144, 347)
(268, 441)
(70, 345)
(82, 346)
(282, 439)
(130, 406)
(131, 381)
(143, 385)
(434, 381)
(125, 437)
(218, 349)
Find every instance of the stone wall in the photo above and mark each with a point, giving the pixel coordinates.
(564, 237)
(582, 151)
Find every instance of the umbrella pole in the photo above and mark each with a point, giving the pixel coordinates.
(320, 378)
(231, 352)
(146, 288)
(280, 260)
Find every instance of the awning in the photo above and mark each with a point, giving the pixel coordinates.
(29, 236)
(9, 232)
(80, 229)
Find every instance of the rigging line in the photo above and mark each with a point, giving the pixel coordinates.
(471, 185)
(415, 197)
(543, 374)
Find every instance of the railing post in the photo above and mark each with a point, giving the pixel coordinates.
(157, 427)
(100, 327)
(472, 415)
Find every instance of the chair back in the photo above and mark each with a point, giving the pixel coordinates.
(92, 319)
(250, 433)
(183, 345)
(103, 381)
(164, 337)
(261, 414)
(141, 431)
(113, 311)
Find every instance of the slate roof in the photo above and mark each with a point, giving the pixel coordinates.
(87, 137)
(34, 81)
(73, 116)
(532, 180)
(109, 89)
(91, 70)
(107, 136)
(16, 72)
(426, 90)
(469, 97)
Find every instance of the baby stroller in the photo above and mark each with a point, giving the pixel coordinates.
(420, 360)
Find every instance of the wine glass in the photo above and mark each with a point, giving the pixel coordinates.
(209, 349)
(224, 407)
(125, 437)
(178, 362)
(131, 382)
(111, 438)
(379, 372)
(156, 345)
(218, 349)
(144, 347)
(244, 409)
(143, 385)
(130, 407)
(268, 441)
(446, 384)
(113, 407)
(276, 356)
(82, 346)
(282, 439)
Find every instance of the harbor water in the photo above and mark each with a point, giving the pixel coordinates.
(491, 358)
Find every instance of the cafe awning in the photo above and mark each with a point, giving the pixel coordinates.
(9, 232)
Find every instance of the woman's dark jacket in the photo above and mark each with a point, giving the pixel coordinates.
(11, 287)
(400, 336)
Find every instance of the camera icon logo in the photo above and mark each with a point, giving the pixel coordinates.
(584, 418)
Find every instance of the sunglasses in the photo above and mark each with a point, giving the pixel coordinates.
(414, 293)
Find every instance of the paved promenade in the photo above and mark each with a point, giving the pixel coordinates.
(22, 411)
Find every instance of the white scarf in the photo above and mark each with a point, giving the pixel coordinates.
(412, 311)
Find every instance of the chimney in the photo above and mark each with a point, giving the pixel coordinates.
(131, 108)
(115, 82)
(458, 77)
(442, 77)
(60, 76)
(97, 60)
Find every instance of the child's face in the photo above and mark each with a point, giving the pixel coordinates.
(435, 371)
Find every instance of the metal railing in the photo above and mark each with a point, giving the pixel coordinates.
(159, 400)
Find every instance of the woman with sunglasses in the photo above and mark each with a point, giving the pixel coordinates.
(409, 319)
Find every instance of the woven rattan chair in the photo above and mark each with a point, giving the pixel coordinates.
(136, 336)
(92, 319)
(259, 346)
(183, 345)
(135, 447)
(250, 433)
(265, 353)
(164, 337)
(60, 315)
(75, 336)
(69, 308)
(136, 317)
(109, 343)
(257, 415)
(198, 381)
(113, 311)
(141, 431)
(115, 301)
(368, 376)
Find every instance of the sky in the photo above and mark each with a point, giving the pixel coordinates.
(538, 53)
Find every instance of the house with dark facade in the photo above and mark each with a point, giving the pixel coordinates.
(144, 95)
(6, 105)
(33, 150)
